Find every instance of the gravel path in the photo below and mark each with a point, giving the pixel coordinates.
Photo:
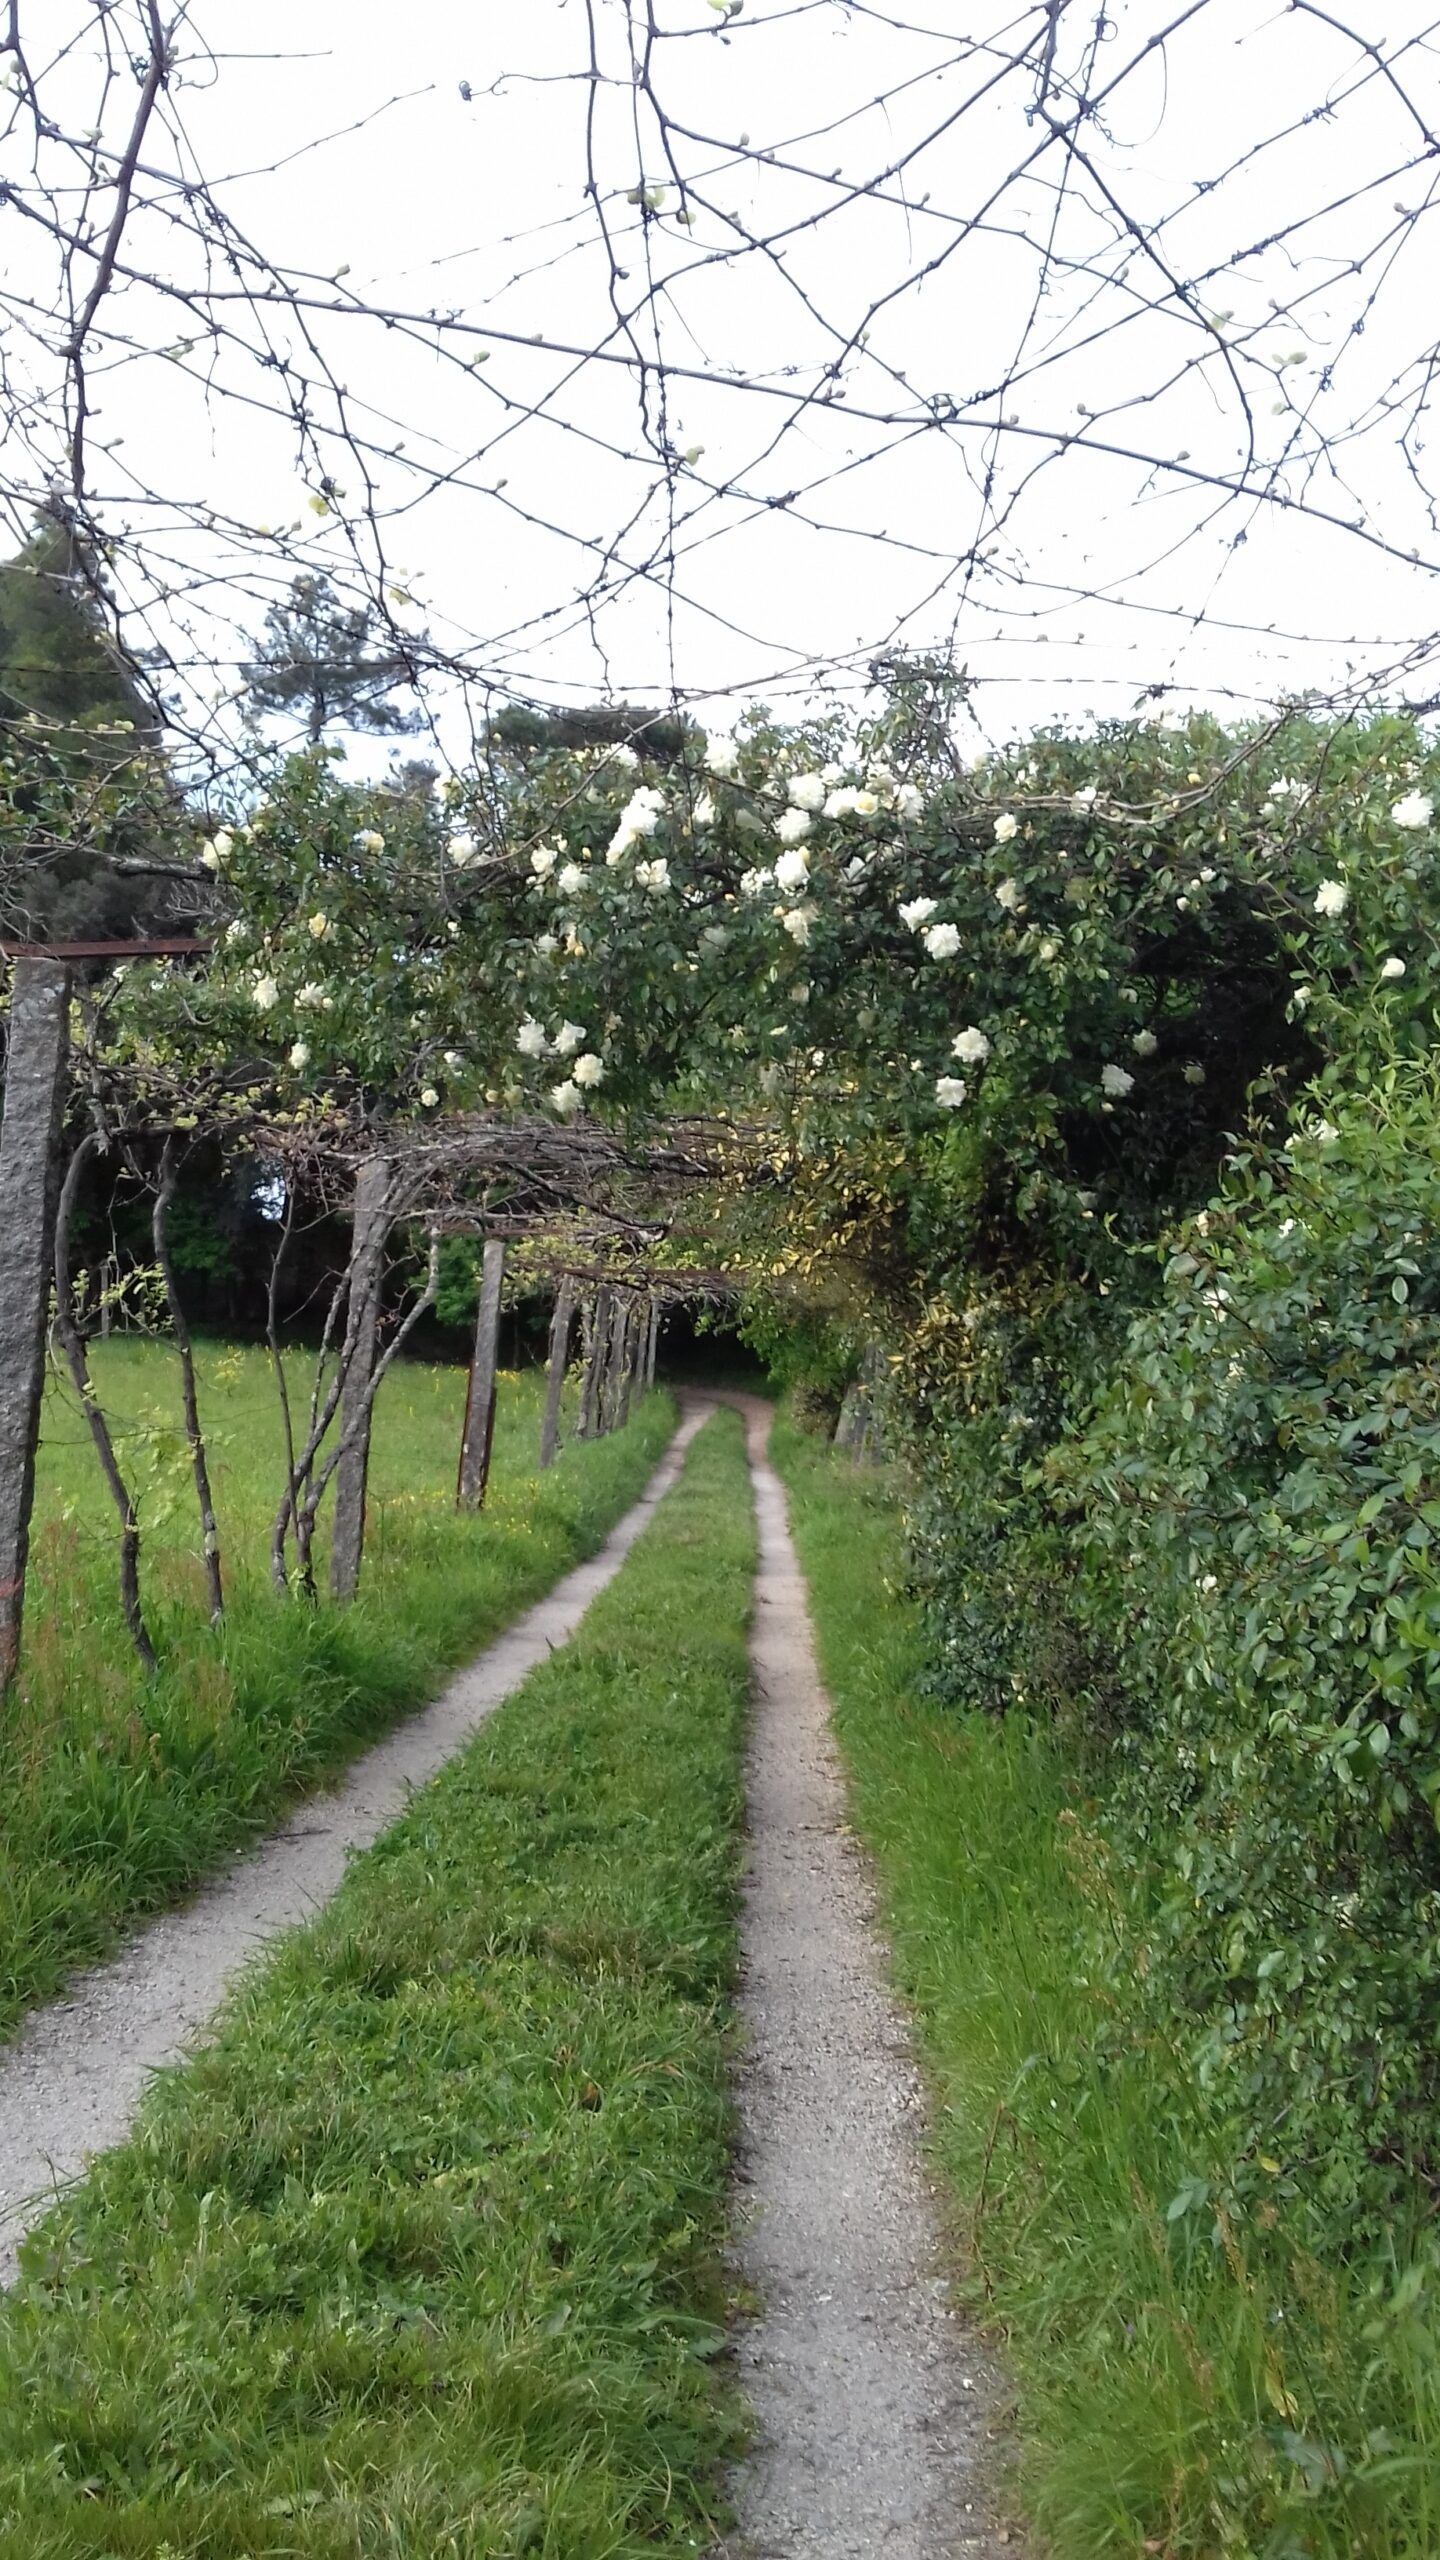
(75, 2074)
(873, 2407)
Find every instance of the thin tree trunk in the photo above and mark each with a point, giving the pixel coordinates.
(591, 1419)
(74, 1348)
(652, 1343)
(560, 1329)
(282, 1388)
(479, 1432)
(367, 1261)
(184, 1353)
(296, 1499)
(29, 1134)
(376, 1380)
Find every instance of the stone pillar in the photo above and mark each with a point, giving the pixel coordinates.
(560, 1326)
(34, 1099)
(362, 1326)
(591, 1421)
(615, 1361)
(479, 1431)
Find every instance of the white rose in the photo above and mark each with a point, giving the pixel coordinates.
(428, 1096)
(568, 1038)
(570, 877)
(1394, 967)
(970, 1046)
(807, 791)
(1331, 898)
(1117, 1082)
(1144, 1044)
(950, 1092)
(793, 826)
(792, 871)
(942, 941)
(653, 875)
(589, 1070)
(370, 840)
(704, 810)
(797, 922)
(753, 884)
(546, 945)
(842, 804)
(543, 861)
(1007, 827)
(566, 1097)
(461, 850)
(1415, 810)
(1008, 896)
(300, 1055)
(530, 1039)
(320, 926)
(721, 755)
(917, 911)
(909, 803)
(266, 994)
(866, 804)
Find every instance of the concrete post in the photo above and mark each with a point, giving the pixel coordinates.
(479, 1431)
(362, 1326)
(34, 1099)
(560, 1326)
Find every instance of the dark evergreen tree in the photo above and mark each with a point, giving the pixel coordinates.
(331, 662)
(660, 735)
(94, 840)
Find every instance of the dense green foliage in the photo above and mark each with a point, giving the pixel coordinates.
(117, 1791)
(421, 2257)
(1161, 1304)
(1195, 2377)
(86, 804)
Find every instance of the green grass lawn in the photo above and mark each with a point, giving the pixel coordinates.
(1187, 2387)
(115, 1792)
(420, 2260)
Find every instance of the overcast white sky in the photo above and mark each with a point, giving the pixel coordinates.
(1066, 286)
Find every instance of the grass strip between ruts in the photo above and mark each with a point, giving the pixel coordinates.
(421, 2257)
(1180, 2382)
(116, 1793)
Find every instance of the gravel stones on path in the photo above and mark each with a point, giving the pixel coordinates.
(71, 2081)
(873, 2406)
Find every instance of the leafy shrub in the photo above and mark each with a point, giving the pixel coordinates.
(1257, 1497)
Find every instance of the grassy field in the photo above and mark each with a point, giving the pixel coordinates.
(1186, 2388)
(115, 1792)
(421, 2258)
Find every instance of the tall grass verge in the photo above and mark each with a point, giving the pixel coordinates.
(422, 2256)
(117, 1793)
(1188, 2386)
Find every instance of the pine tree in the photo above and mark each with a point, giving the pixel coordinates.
(331, 662)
